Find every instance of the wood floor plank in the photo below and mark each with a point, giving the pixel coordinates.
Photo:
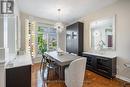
(91, 80)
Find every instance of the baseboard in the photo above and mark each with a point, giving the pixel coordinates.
(123, 78)
(37, 60)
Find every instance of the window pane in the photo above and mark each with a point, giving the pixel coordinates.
(47, 39)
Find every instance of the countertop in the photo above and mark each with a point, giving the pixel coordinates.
(108, 55)
(20, 60)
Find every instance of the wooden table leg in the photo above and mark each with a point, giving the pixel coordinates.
(61, 72)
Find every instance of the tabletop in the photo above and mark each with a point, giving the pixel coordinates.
(63, 59)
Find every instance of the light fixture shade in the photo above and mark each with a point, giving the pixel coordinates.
(59, 26)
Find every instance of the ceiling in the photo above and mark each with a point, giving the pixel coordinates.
(71, 9)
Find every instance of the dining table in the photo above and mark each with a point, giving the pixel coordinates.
(62, 60)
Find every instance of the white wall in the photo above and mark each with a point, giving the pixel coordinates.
(8, 40)
(2, 71)
(1, 31)
(122, 11)
(2, 76)
(11, 35)
(62, 39)
(2, 52)
(18, 26)
(12, 26)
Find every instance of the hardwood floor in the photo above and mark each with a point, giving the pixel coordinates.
(91, 80)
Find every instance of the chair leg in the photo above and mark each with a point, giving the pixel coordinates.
(41, 64)
(59, 73)
(43, 79)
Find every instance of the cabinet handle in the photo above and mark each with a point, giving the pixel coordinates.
(74, 35)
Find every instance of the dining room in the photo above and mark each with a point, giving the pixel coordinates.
(64, 43)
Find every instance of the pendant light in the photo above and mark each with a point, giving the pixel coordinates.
(59, 25)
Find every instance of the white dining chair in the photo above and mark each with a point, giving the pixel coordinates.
(74, 74)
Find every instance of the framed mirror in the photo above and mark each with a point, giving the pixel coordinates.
(103, 34)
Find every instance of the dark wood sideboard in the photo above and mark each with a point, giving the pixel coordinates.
(104, 66)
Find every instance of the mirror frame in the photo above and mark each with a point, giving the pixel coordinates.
(114, 33)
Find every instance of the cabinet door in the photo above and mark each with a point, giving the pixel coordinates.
(18, 76)
(104, 65)
(75, 38)
(106, 62)
(72, 39)
(69, 45)
(74, 43)
(91, 62)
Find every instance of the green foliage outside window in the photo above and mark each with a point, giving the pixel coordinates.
(45, 35)
(42, 44)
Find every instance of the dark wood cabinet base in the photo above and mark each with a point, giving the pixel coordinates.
(101, 65)
(18, 76)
